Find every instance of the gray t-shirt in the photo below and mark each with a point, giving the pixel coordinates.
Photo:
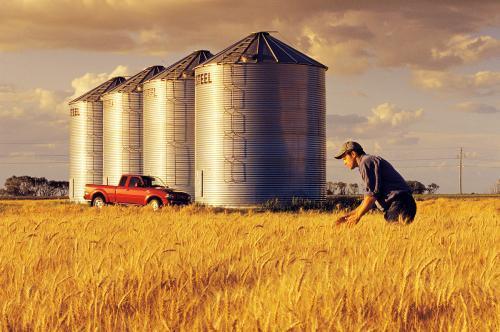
(381, 179)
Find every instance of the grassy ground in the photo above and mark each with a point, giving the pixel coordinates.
(70, 267)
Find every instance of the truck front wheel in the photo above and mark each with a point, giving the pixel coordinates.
(98, 201)
(155, 204)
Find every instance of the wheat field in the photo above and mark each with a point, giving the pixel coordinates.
(71, 267)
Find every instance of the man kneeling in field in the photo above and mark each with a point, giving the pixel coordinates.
(384, 186)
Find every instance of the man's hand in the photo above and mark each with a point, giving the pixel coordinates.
(342, 219)
(353, 219)
(349, 219)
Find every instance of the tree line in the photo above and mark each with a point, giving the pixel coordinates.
(28, 186)
(342, 188)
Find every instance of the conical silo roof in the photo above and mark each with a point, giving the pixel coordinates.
(184, 68)
(96, 93)
(262, 47)
(135, 81)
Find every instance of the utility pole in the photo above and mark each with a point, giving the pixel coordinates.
(460, 172)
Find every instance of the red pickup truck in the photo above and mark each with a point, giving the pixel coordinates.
(135, 190)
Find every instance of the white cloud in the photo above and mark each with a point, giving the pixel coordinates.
(40, 114)
(425, 36)
(473, 107)
(479, 84)
(386, 123)
(342, 53)
(389, 114)
(47, 100)
(467, 49)
(88, 81)
(12, 113)
(29, 103)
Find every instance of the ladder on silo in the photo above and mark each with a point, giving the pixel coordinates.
(234, 141)
(175, 141)
(91, 149)
(235, 54)
(129, 123)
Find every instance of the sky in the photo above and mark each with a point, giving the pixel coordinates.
(411, 81)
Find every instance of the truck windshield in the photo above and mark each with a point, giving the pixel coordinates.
(152, 181)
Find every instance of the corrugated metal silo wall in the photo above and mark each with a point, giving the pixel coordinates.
(122, 135)
(85, 147)
(155, 129)
(169, 132)
(260, 133)
(180, 135)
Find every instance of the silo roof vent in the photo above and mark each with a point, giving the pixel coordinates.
(134, 83)
(96, 93)
(262, 47)
(184, 68)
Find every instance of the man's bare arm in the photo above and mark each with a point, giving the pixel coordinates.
(365, 206)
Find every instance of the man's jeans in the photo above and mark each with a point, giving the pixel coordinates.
(402, 207)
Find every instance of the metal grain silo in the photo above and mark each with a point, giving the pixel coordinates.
(85, 160)
(260, 125)
(122, 127)
(168, 101)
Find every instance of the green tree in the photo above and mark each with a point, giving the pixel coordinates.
(353, 188)
(33, 186)
(330, 188)
(432, 188)
(341, 186)
(416, 187)
(20, 186)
